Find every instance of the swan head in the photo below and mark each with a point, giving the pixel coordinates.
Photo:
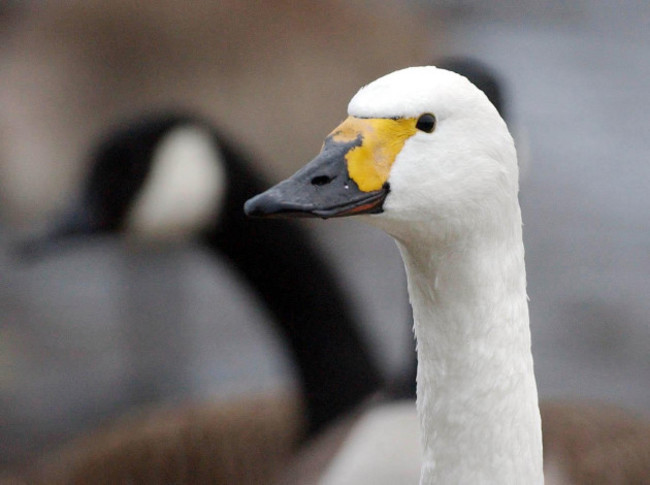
(419, 144)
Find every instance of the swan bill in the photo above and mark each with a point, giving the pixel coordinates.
(324, 187)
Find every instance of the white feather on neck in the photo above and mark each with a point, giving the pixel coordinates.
(477, 398)
(454, 212)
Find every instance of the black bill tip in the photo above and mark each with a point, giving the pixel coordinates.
(277, 203)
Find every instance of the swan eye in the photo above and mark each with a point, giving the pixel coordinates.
(426, 123)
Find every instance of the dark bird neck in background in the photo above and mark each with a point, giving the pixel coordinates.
(283, 266)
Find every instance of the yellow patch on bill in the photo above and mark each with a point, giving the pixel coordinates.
(381, 140)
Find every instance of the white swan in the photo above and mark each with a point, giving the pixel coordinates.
(427, 154)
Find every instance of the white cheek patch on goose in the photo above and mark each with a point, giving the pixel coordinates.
(369, 163)
(184, 189)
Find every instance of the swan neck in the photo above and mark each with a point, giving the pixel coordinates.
(477, 396)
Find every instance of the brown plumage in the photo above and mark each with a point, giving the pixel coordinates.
(240, 442)
(255, 440)
(595, 444)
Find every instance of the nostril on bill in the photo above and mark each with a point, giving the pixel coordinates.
(321, 180)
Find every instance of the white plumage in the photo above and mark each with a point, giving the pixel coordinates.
(454, 212)
(447, 193)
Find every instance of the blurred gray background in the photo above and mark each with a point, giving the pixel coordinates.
(278, 78)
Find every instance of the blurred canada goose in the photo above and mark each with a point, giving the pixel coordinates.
(172, 176)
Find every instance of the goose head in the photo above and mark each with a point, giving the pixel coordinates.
(421, 144)
(185, 185)
(158, 178)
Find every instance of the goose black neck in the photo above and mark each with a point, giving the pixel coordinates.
(282, 265)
